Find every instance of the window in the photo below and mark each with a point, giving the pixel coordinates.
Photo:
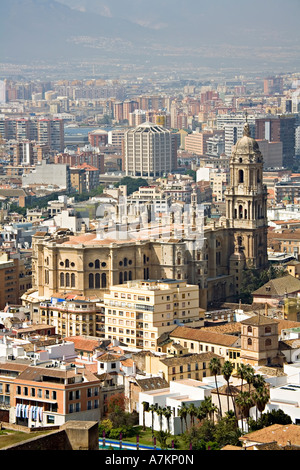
(62, 280)
(91, 281)
(73, 282)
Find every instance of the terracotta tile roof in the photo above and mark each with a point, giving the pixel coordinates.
(259, 320)
(152, 383)
(229, 447)
(108, 357)
(127, 362)
(13, 367)
(83, 344)
(204, 336)
(188, 359)
(227, 328)
(279, 433)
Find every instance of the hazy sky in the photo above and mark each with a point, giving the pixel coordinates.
(214, 29)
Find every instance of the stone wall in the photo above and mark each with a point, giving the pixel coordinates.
(74, 435)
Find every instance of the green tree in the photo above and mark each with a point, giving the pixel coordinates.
(215, 369)
(227, 432)
(145, 408)
(152, 409)
(182, 413)
(162, 437)
(192, 411)
(160, 412)
(227, 370)
(132, 184)
(261, 397)
(167, 414)
(269, 418)
(245, 402)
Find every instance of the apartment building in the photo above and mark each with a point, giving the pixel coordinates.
(199, 341)
(43, 131)
(188, 366)
(74, 315)
(150, 151)
(52, 394)
(139, 312)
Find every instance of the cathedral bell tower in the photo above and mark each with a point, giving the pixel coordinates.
(246, 202)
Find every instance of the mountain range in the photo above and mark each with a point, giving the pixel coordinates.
(265, 31)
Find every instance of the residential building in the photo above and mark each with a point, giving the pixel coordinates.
(139, 312)
(48, 174)
(177, 367)
(43, 396)
(150, 151)
(200, 341)
(279, 128)
(186, 391)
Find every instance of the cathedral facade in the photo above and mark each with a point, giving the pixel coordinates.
(89, 263)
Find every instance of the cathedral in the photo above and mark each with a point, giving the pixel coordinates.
(211, 256)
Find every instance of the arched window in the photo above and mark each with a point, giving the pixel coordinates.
(97, 264)
(73, 282)
(268, 329)
(268, 342)
(67, 263)
(240, 211)
(130, 276)
(125, 276)
(91, 281)
(125, 261)
(103, 280)
(120, 278)
(67, 280)
(249, 342)
(97, 280)
(249, 329)
(62, 280)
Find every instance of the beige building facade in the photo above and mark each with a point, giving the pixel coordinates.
(137, 313)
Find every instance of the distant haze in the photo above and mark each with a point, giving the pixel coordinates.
(213, 32)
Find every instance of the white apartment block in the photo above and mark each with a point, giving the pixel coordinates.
(149, 151)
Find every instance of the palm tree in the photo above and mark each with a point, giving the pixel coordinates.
(152, 408)
(145, 408)
(242, 372)
(261, 398)
(167, 414)
(160, 412)
(201, 412)
(182, 413)
(245, 402)
(227, 371)
(215, 369)
(192, 411)
(249, 376)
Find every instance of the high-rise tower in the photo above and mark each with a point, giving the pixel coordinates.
(246, 202)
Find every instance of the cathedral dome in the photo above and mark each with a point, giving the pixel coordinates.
(246, 145)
